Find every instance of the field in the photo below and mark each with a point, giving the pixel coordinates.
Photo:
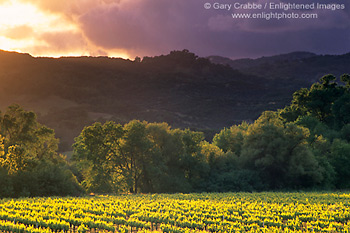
(224, 212)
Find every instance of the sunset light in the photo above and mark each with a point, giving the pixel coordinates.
(26, 28)
(22, 25)
(124, 28)
(15, 13)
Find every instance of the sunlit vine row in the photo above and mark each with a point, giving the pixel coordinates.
(226, 212)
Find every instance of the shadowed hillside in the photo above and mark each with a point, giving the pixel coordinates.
(179, 88)
(298, 69)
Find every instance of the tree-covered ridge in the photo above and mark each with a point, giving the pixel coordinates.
(179, 88)
(306, 145)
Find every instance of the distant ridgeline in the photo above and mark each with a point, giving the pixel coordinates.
(179, 88)
(305, 145)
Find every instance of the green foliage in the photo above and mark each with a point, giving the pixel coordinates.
(231, 139)
(95, 148)
(55, 180)
(303, 146)
(47, 179)
(340, 160)
(279, 153)
(326, 101)
(164, 173)
(325, 109)
(296, 147)
(274, 153)
(29, 162)
(341, 111)
(25, 138)
(316, 128)
(137, 152)
(225, 173)
(345, 133)
(345, 78)
(126, 158)
(6, 185)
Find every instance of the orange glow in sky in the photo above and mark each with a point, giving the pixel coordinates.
(130, 28)
(27, 28)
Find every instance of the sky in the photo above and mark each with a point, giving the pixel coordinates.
(130, 28)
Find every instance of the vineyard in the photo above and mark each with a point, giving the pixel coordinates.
(226, 212)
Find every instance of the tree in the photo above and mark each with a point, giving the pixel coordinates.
(5, 181)
(231, 139)
(95, 149)
(341, 111)
(164, 173)
(345, 133)
(137, 59)
(192, 161)
(340, 160)
(345, 78)
(280, 153)
(297, 107)
(26, 147)
(26, 137)
(15, 160)
(316, 128)
(136, 151)
(316, 101)
(328, 81)
(113, 157)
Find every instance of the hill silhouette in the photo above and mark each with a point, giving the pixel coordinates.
(179, 88)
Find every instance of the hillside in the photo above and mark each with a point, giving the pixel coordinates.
(178, 88)
(297, 69)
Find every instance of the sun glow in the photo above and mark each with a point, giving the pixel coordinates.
(26, 28)
(13, 14)
(22, 25)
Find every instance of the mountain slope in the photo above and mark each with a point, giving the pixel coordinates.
(298, 69)
(178, 88)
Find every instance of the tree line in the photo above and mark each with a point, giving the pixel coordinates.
(306, 145)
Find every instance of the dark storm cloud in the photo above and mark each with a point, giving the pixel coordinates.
(157, 26)
(143, 26)
(153, 27)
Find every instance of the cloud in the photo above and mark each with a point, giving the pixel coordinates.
(326, 19)
(153, 27)
(67, 43)
(19, 32)
(64, 40)
(70, 8)
(157, 26)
